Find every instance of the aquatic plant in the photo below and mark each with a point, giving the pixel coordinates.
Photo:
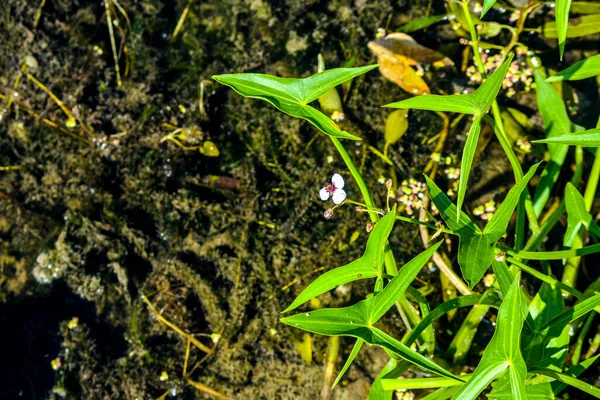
(533, 331)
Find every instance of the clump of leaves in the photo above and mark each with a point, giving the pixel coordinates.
(527, 355)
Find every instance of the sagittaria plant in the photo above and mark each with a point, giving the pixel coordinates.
(535, 333)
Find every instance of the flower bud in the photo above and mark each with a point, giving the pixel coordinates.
(370, 227)
(388, 184)
(328, 213)
(359, 209)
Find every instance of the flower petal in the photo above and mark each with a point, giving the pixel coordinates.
(338, 196)
(337, 181)
(324, 194)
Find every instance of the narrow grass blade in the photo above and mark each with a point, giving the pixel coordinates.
(420, 383)
(589, 138)
(586, 68)
(562, 21)
(355, 349)
(576, 383)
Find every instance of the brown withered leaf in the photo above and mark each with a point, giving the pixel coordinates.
(397, 52)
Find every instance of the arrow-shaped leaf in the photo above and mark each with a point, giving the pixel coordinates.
(487, 4)
(292, 96)
(503, 352)
(475, 103)
(365, 267)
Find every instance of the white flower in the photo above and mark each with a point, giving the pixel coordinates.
(334, 189)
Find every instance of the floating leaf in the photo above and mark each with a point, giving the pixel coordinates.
(503, 352)
(562, 22)
(397, 70)
(583, 69)
(365, 267)
(292, 96)
(209, 149)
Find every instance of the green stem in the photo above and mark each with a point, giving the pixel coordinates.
(592, 185)
(503, 138)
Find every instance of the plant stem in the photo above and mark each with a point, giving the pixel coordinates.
(503, 137)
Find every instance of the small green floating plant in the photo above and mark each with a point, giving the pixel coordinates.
(534, 333)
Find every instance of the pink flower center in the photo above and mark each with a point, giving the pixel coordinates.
(330, 188)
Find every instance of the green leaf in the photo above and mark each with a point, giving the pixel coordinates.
(576, 383)
(555, 326)
(539, 391)
(351, 357)
(541, 350)
(503, 352)
(589, 138)
(583, 69)
(385, 299)
(449, 211)
(292, 96)
(562, 21)
(487, 4)
(467, 161)
(422, 23)
(489, 298)
(585, 7)
(556, 122)
(503, 275)
(377, 392)
(574, 371)
(582, 26)
(577, 215)
(476, 248)
(419, 383)
(358, 320)
(501, 218)
(365, 267)
(476, 103)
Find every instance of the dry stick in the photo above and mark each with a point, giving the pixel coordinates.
(188, 336)
(437, 258)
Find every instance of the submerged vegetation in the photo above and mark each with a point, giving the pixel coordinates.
(155, 225)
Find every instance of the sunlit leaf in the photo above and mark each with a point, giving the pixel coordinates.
(585, 7)
(499, 222)
(449, 211)
(578, 27)
(555, 326)
(489, 298)
(487, 4)
(569, 380)
(562, 21)
(574, 371)
(474, 103)
(589, 138)
(355, 349)
(583, 69)
(365, 267)
(577, 215)
(556, 122)
(358, 319)
(292, 96)
(396, 125)
(540, 350)
(385, 299)
(503, 352)
(503, 275)
(467, 160)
